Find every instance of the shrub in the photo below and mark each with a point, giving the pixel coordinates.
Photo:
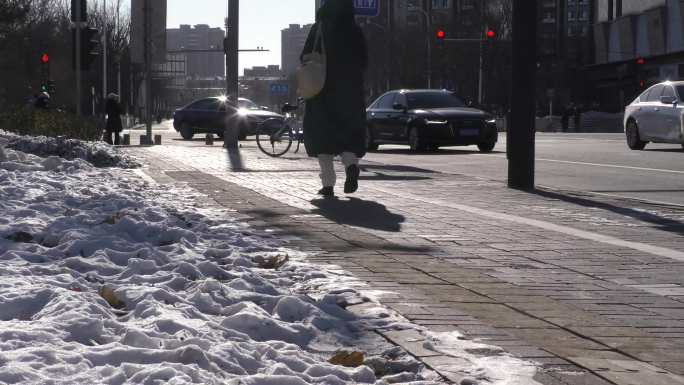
(52, 123)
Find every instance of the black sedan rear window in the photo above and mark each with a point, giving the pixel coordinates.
(433, 100)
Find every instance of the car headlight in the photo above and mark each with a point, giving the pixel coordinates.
(490, 121)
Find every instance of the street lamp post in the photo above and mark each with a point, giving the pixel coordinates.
(428, 37)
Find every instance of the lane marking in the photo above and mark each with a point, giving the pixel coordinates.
(594, 164)
(612, 166)
(592, 236)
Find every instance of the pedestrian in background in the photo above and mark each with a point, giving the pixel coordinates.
(113, 126)
(335, 119)
(577, 117)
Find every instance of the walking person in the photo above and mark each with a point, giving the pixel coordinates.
(113, 126)
(335, 119)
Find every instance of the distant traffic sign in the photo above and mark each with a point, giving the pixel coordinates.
(368, 8)
(280, 89)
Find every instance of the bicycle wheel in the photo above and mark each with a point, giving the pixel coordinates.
(274, 137)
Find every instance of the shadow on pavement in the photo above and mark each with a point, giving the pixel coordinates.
(664, 149)
(662, 223)
(441, 151)
(359, 213)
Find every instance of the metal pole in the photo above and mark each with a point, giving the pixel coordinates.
(104, 52)
(79, 81)
(231, 132)
(232, 38)
(520, 136)
(148, 72)
(480, 76)
(428, 25)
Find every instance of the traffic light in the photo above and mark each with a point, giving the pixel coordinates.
(90, 46)
(491, 34)
(44, 71)
(641, 72)
(441, 35)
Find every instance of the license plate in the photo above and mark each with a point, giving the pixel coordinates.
(469, 132)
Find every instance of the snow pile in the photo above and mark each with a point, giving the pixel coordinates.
(104, 279)
(98, 153)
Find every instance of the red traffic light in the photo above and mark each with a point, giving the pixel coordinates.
(491, 34)
(441, 34)
(640, 61)
(45, 58)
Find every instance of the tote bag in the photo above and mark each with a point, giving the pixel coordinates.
(311, 74)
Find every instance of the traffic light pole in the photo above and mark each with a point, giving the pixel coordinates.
(104, 54)
(232, 40)
(148, 71)
(79, 84)
(232, 48)
(521, 131)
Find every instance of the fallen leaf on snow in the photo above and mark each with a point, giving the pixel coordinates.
(111, 298)
(348, 359)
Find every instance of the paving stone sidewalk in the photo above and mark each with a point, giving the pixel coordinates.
(589, 287)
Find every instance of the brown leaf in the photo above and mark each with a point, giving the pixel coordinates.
(111, 298)
(113, 219)
(272, 261)
(348, 359)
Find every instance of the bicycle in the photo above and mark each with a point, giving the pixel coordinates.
(274, 136)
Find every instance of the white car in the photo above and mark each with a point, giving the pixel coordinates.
(657, 116)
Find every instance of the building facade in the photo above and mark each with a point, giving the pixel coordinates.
(637, 43)
(201, 37)
(293, 39)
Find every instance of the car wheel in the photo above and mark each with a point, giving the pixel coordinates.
(186, 131)
(415, 142)
(634, 141)
(370, 142)
(486, 147)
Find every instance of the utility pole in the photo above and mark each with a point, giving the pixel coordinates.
(148, 70)
(79, 80)
(521, 134)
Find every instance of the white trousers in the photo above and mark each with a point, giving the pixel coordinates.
(328, 176)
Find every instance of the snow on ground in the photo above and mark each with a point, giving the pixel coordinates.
(97, 153)
(107, 279)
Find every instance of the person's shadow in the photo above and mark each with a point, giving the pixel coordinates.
(359, 213)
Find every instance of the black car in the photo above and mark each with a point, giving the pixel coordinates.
(426, 120)
(211, 115)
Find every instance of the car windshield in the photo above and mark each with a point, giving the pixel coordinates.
(433, 100)
(248, 104)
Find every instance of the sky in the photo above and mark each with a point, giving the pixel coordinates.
(261, 22)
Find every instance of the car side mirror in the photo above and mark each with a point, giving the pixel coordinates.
(264, 108)
(399, 107)
(668, 99)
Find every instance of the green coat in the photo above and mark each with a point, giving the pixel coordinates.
(335, 120)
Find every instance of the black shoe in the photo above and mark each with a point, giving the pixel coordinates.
(327, 192)
(352, 182)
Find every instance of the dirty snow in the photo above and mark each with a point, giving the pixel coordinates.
(99, 154)
(105, 279)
